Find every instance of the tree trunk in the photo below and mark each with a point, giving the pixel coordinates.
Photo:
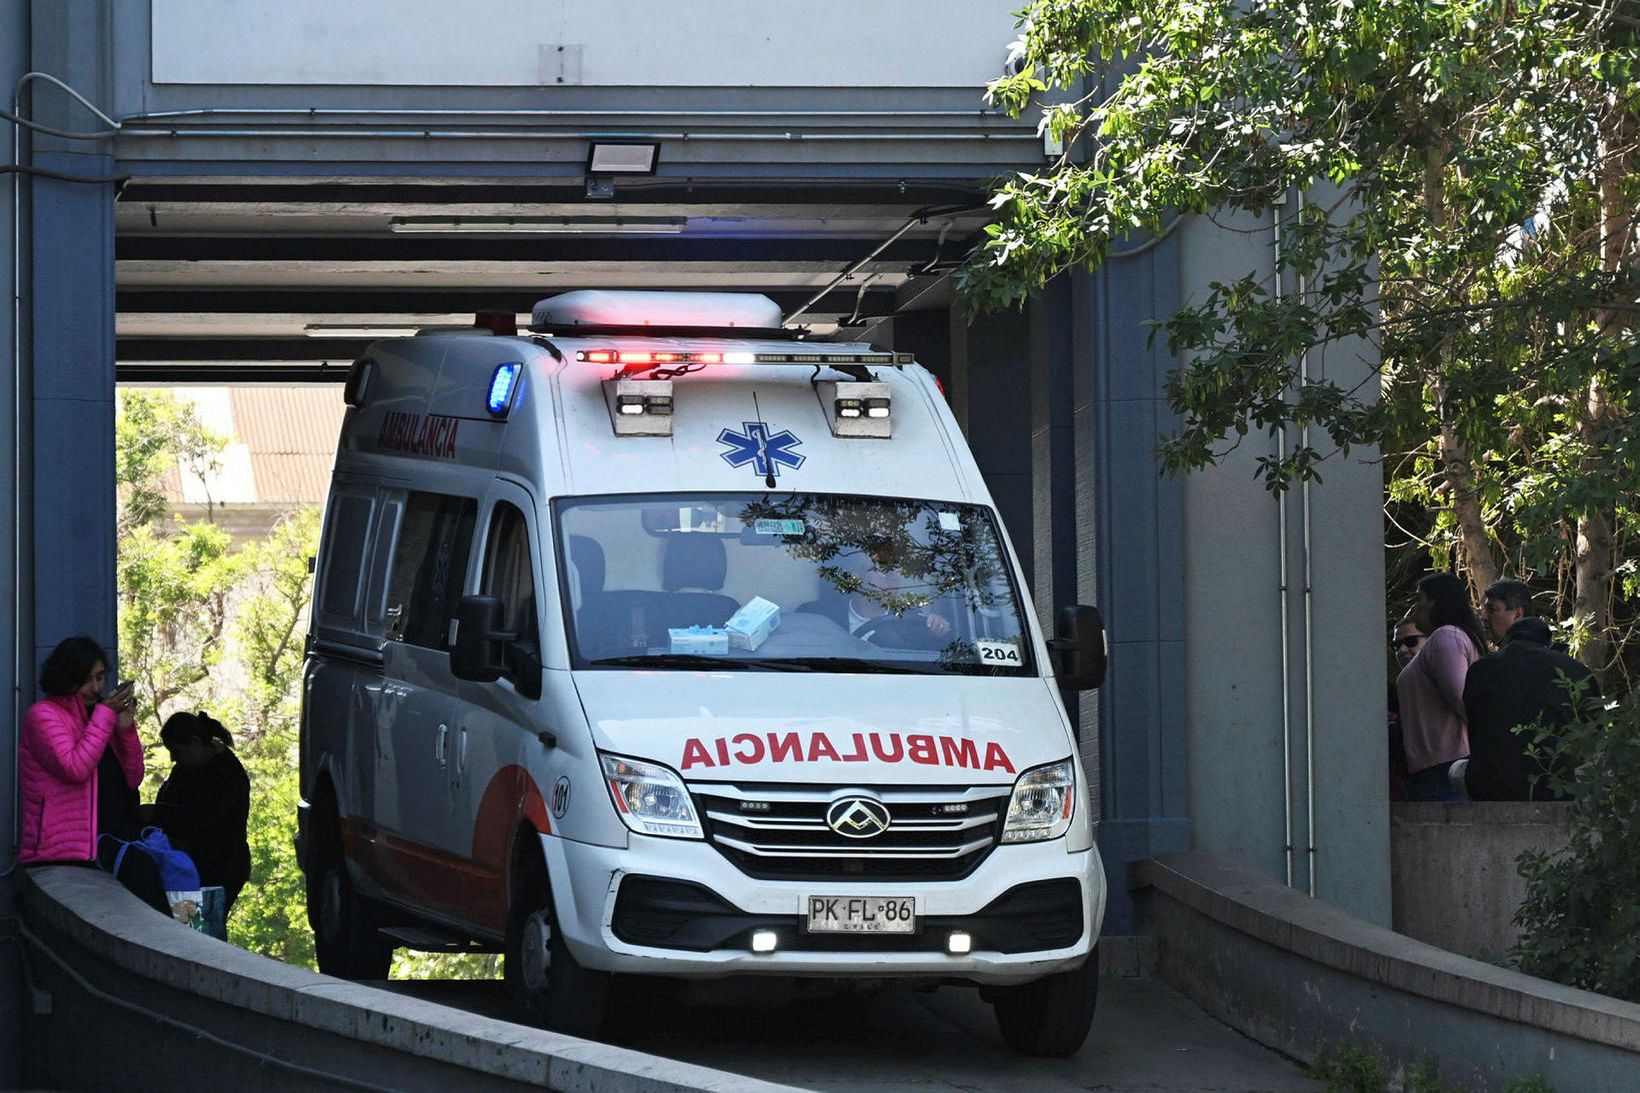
(1476, 559)
(1596, 546)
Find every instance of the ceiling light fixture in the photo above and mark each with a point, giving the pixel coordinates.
(606, 157)
(322, 330)
(539, 225)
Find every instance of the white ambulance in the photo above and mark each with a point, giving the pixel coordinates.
(656, 641)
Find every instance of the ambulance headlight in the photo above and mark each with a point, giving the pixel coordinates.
(651, 800)
(1043, 801)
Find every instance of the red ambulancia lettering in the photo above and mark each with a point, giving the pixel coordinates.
(694, 752)
(884, 754)
(997, 759)
(820, 748)
(414, 434)
(750, 748)
(959, 752)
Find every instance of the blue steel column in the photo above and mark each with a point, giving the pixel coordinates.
(1134, 559)
(992, 376)
(73, 374)
(14, 57)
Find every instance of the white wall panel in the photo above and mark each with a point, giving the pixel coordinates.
(613, 43)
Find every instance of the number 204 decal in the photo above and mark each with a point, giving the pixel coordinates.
(997, 652)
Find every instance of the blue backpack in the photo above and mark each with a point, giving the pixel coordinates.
(176, 869)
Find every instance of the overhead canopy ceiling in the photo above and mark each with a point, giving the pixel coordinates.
(257, 279)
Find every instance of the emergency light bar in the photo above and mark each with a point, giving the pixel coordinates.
(630, 358)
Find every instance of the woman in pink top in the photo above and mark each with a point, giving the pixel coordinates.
(79, 760)
(1430, 688)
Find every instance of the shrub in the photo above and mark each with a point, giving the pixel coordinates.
(1581, 916)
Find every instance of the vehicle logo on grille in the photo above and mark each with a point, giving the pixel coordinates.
(857, 817)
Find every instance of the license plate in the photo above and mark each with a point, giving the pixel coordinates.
(862, 915)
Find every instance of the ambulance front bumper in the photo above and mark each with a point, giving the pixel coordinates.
(679, 908)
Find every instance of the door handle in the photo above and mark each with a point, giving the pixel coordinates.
(461, 753)
(438, 745)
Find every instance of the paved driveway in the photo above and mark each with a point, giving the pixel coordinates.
(1146, 1036)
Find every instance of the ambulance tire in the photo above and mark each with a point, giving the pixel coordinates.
(1051, 1016)
(544, 980)
(345, 939)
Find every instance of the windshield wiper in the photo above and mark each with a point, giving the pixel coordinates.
(853, 664)
(670, 660)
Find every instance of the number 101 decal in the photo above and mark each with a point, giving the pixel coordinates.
(998, 652)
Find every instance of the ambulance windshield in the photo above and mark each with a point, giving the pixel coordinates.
(796, 582)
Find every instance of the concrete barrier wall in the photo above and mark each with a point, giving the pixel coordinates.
(1452, 869)
(1299, 975)
(119, 997)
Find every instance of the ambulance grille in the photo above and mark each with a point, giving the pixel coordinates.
(779, 832)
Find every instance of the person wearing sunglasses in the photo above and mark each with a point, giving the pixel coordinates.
(1433, 723)
(1405, 641)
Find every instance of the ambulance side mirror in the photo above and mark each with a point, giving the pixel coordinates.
(480, 647)
(1079, 649)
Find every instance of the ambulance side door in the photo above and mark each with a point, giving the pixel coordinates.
(421, 573)
(497, 724)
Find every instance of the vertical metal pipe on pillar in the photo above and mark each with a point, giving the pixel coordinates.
(1282, 586)
(14, 61)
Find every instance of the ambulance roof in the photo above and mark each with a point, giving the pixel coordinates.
(739, 421)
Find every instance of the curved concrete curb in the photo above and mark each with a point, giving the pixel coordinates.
(235, 1016)
(1314, 977)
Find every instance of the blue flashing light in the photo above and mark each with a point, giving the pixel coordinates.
(502, 386)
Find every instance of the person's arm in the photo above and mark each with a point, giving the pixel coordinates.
(60, 746)
(1450, 656)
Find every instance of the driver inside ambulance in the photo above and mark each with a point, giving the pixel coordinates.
(878, 608)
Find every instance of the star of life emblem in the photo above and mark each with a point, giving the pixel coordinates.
(766, 452)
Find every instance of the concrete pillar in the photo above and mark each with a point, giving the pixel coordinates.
(1134, 559)
(1252, 764)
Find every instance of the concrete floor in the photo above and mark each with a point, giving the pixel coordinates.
(1146, 1036)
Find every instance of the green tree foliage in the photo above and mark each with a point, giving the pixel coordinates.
(205, 626)
(1454, 185)
(1581, 916)
(173, 580)
(271, 915)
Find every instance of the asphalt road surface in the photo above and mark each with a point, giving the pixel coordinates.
(1146, 1037)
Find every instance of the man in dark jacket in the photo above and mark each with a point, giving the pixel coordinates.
(1519, 684)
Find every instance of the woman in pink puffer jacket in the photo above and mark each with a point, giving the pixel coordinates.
(79, 759)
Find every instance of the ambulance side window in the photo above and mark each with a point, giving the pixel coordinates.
(346, 531)
(387, 526)
(508, 573)
(429, 567)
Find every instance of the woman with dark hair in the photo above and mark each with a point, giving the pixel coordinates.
(79, 764)
(204, 805)
(1430, 687)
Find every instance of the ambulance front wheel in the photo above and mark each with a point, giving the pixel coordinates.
(345, 939)
(1051, 1016)
(543, 978)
